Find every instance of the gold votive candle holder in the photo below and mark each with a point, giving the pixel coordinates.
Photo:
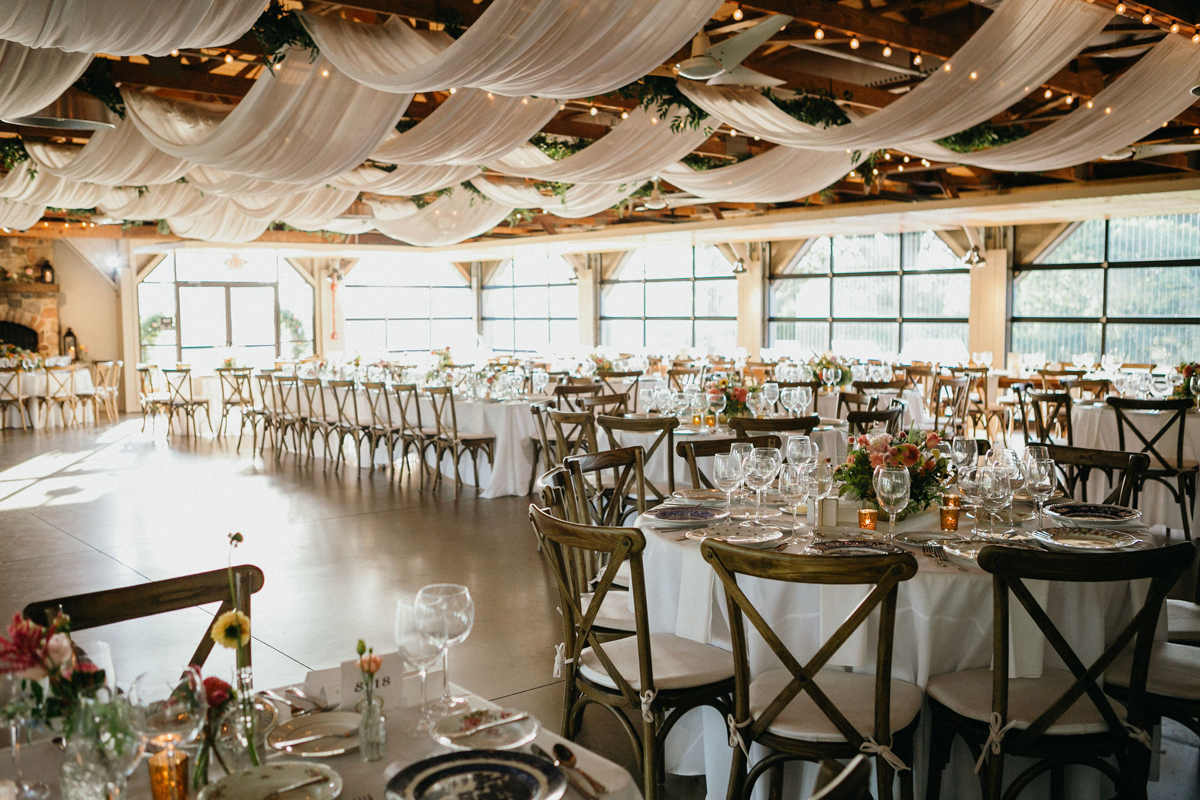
(949, 518)
(868, 519)
(951, 501)
(168, 781)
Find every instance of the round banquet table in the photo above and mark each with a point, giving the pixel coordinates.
(914, 405)
(33, 383)
(1095, 425)
(943, 624)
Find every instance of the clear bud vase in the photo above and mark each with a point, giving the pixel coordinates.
(372, 733)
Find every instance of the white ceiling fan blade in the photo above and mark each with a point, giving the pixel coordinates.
(736, 49)
(744, 76)
(1141, 151)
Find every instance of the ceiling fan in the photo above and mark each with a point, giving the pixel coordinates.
(722, 63)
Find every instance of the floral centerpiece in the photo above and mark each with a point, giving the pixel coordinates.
(915, 450)
(11, 354)
(1187, 371)
(845, 376)
(229, 363)
(442, 367)
(601, 362)
(735, 391)
(372, 735)
(232, 630)
(219, 695)
(37, 653)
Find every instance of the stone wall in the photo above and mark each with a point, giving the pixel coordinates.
(37, 310)
(18, 253)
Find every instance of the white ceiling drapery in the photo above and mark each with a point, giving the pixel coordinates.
(551, 48)
(1017, 49)
(405, 180)
(583, 200)
(448, 220)
(104, 26)
(224, 222)
(44, 189)
(777, 176)
(117, 157)
(154, 202)
(304, 123)
(19, 216)
(1153, 91)
(471, 127)
(228, 184)
(31, 79)
(633, 150)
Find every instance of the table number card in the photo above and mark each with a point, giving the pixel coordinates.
(390, 683)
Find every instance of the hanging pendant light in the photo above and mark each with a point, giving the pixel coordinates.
(72, 110)
(655, 202)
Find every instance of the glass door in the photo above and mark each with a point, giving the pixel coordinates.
(223, 320)
(252, 325)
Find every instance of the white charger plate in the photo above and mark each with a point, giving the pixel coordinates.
(258, 782)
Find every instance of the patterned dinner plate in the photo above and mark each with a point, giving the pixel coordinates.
(686, 515)
(256, 783)
(479, 775)
(332, 724)
(967, 550)
(919, 538)
(703, 495)
(1093, 513)
(449, 730)
(756, 536)
(1085, 539)
(854, 547)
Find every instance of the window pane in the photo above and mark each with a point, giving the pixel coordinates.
(252, 315)
(497, 302)
(202, 316)
(532, 334)
(363, 303)
(865, 339)
(800, 297)
(531, 301)
(878, 253)
(1165, 345)
(448, 303)
(937, 295)
(564, 334)
(806, 335)
(367, 337)
(926, 251)
(498, 334)
(156, 309)
(564, 301)
(716, 298)
(668, 335)
(717, 336)
(212, 266)
(1155, 238)
(943, 342)
(458, 334)
(667, 261)
(295, 313)
(876, 296)
(814, 262)
(503, 276)
(630, 267)
(408, 334)
(671, 299)
(711, 263)
(1154, 292)
(621, 300)
(1058, 293)
(1085, 245)
(1058, 340)
(623, 333)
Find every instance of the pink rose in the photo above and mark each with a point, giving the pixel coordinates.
(863, 441)
(932, 440)
(61, 653)
(877, 460)
(370, 664)
(893, 451)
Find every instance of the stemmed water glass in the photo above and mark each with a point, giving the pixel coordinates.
(822, 476)
(169, 710)
(448, 616)
(892, 485)
(540, 381)
(727, 475)
(968, 487)
(761, 470)
(804, 398)
(801, 451)
(829, 376)
(1195, 384)
(756, 403)
(102, 747)
(994, 493)
(770, 392)
(793, 487)
(964, 451)
(1040, 480)
(1008, 465)
(417, 649)
(790, 398)
(716, 404)
(16, 703)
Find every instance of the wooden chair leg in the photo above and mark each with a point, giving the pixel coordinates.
(650, 758)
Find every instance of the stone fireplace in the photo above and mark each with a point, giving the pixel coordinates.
(30, 305)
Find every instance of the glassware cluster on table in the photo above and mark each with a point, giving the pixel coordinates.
(990, 488)
(428, 624)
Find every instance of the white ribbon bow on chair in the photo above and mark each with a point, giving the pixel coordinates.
(647, 704)
(995, 735)
(735, 733)
(872, 747)
(1140, 735)
(560, 659)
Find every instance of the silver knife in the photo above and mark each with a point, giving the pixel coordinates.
(316, 737)
(485, 726)
(293, 786)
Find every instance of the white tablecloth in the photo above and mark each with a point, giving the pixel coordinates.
(914, 405)
(34, 384)
(1095, 426)
(943, 624)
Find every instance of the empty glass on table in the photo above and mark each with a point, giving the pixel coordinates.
(448, 618)
(995, 492)
(770, 392)
(964, 451)
(716, 405)
(418, 650)
(793, 487)
(1039, 481)
(16, 704)
(761, 469)
(802, 451)
(727, 475)
(892, 486)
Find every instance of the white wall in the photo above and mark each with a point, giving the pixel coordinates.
(87, 304)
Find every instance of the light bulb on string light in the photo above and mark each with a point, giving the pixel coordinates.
(819, 34)
(1174, 27)
(1147, 19)
(974, 75)
(925, 162)
(1195, 131)
(1048, 94)
(854, 43)
(228, 58)
(916, 59)
(593, 111)
(737, 13)
(624, 115)
(453, 90)
(887, 51)
(906, 159)
(278, 65)
(1069, 99)
(1120, 8)
(946, 66)
(853, 173)
(887, 156)
(1196, 38)
(732, 132)
(174, 54)
(324, 73)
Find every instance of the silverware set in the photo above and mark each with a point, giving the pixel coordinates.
(938, 553)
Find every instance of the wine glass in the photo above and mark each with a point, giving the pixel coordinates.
(1040, 480)
(646, 396)
(823, 476)
(540, 381)
(829, 376)
(16, 704)
(790, 398)
(761, 469)
(1036, 452)
(756, 403)
(770, 391)
(892, 485)
(804, 397)
(1007, 464)
(994, 493)
(417, 650)
(101, 746)
(968, 487)
(793, 487)
(716, 405)
(964, 451)
(1195, 384)
(451, 614)
(797, 448)
(168, 710)
(727, 475)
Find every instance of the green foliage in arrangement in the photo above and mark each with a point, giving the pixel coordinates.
(818, 109)
(982, 136)
(97, 80)
(12, 152)
(662, 94)
(278, 29)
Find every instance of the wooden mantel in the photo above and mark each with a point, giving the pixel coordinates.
(23, 287)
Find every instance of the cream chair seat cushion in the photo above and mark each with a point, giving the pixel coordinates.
(1174, 670)
(678, 663)
(614, 612)
(1183, 621)
(852, 693)
(969, 693)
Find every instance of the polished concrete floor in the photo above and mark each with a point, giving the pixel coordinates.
(95, 508)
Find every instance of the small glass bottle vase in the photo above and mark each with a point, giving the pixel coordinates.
(372, 731)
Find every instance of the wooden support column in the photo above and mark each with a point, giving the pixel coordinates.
(130, 338)
(990, 305)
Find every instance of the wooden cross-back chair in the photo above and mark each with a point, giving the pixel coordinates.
(950, 400)
(414, 434)
(659, 677)
(605, 499)
(896, 386)
(855, 401)
(1052, 379)
(264, 411)
(288, 416)
(664, 427)
(183, 401)
(574, 433)
(318, 418)
(605, 404)
(838, 782)
(692, 451)
(831, 719)
(861, 422)
(1092, 389)
(680, 378)
(60, 391)
(1064, 716)
(1051, 412)
(93, 609)
(1169, 468)
(922, 377)
(1016, 408)
(12, 395)
(353, 422)
(99, 397)
(153, 396)
(568, 397)
(606, 378)
(236, 392)
(748, 426)
(543, 453)
(455, 442)
(1124, 471)
(384, 429)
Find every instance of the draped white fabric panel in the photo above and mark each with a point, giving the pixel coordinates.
(583, 200)
(469, 128)
(1019, 47)
(405, 180)
(227, 184)
(551, 48)
(19, 216)
(48, 190)
(351, 227)
(155, 202)
(448, 220)
(779, 175)
(31, 79)
(126, 27)
(222, 223)
(313, 205)
(296, 125)
(1154, 90)
(117, 157)
(635, 149)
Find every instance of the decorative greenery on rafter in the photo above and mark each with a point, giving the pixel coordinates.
(278, 29)
(518, 216)
(97, 81)
(557, 147)
(701, 162)
(818, 109)
(12, 152)
(663, 95)
(422, 200)
(982, 136)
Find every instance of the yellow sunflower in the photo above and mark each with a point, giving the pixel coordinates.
(232, 629)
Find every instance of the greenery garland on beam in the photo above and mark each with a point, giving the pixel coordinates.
(982, 136)
(97, 80)
(12, 152)
(663, 95)
(818, 109)
(278, 29)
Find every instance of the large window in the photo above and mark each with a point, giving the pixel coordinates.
(202, 307)
(871, 296)
(531, 304)
(666, 297)
(1126, 287)
(406, 304)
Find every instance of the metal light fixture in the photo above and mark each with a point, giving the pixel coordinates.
(973, 257)
(655, 202)
(70, 345)
(739, 266)
(47, 272)
(72, 110)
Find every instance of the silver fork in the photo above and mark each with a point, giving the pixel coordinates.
(927, 549)
(939, 553)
